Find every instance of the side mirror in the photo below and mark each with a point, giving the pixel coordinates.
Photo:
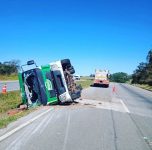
(31, 62)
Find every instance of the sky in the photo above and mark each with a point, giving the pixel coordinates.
(93, 34)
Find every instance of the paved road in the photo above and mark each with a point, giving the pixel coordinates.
(102, 120)
(11, 85)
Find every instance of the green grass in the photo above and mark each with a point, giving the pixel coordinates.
(144, 86)
(87, 78)
(6, 119)
(8, 77)
(85, 83)
(8, 102)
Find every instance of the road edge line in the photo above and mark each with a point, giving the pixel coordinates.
(6, 135)
(124, 106)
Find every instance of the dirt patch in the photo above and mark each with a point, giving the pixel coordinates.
(70, 106)
(80, 103)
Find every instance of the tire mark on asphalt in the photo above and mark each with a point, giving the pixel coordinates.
(20, 140)
(135, 93)
(66, 131)
(139, 130)
(133, 120)
(43, 123)
(114, 129)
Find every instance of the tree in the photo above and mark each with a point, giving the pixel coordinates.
(119, 77)
(9, 67)
(143, 73)
(149, 57)
(92, 75)
(140, 74)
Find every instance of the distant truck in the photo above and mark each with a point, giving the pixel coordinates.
(101, 78)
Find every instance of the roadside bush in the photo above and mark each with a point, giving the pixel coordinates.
(143, 73)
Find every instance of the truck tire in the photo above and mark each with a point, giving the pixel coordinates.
(72, 71)
(65, 63)
(70, 68)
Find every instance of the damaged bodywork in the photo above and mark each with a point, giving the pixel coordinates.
(52, 83)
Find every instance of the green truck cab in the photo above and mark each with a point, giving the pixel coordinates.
(47, 84)
(36, 85)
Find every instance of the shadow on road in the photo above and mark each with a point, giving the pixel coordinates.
(98, 85)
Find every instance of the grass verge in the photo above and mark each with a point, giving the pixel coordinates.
(5, 119)
(9, 102)
(8, 77)
(85, 83)
(144, 86)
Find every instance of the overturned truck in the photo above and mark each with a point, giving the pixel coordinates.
(48, 84)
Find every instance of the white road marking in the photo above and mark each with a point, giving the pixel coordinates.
(23, 125)
(125, 107)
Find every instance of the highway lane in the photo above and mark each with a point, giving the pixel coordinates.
(11, 85)
(102, 120)
(139, 102)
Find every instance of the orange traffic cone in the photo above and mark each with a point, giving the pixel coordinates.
(114, 89)
(4, 89)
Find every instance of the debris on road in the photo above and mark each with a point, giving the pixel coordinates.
(89, 102)
(148, 140)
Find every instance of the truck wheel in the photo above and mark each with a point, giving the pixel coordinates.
(70, 68)
(72, 71)
(65, 63)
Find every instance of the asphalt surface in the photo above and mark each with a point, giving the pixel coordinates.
(11, 85)
(105, 119)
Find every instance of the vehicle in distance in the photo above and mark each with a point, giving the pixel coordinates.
(76, 77)
(101, 78)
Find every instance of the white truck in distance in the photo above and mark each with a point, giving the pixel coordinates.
(101, 78)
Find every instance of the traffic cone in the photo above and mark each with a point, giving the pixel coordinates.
(114, 89)
(4, 89)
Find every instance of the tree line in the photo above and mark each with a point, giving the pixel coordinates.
(120, 77)
(143, 73)
(9, 67)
